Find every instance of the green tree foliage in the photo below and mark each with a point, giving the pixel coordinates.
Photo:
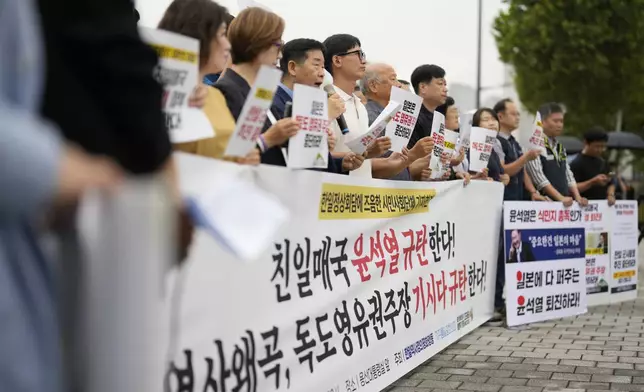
(587, 54)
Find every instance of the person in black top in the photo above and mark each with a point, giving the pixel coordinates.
(303, 63)
(591, 170)
(429, 83)
(255, 37)
(487, 118)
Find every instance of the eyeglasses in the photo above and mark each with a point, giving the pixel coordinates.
(359, 52)
(279, 44)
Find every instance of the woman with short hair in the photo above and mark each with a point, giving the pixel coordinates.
(205, 21)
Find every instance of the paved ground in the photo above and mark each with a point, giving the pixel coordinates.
(601, 350)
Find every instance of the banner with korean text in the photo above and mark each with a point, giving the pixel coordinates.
(368, 280)
(597, 223)
(545, 261)
(624, 248)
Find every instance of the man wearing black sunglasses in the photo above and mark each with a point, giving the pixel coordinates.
(346, 62)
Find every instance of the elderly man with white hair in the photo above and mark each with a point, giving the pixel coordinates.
(376, 86)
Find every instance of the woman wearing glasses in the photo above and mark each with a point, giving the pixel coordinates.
(256, 39)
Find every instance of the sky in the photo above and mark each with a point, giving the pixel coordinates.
(403, 33)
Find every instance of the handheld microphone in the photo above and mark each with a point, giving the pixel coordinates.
(288, 109)
(342, 123)
(327, 85)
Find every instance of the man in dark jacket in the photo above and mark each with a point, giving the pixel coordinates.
(302, 62)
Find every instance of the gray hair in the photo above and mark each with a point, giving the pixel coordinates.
(371, 74)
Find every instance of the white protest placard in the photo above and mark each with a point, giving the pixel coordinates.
(399, 130)
(309, 148)
(481, 145)
(360, 144)
(237, 213)
(178, 73)
(624, 247)
(253, 115)
(194, 126)
(243, 4)
(451, 139)
(536, 141)
(306, 315)
(597, 220)
(465, 124)
(438, 155)
(545, 270)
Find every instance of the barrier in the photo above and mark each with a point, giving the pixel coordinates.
(367, 281)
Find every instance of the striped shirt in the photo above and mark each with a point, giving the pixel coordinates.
(535, 170)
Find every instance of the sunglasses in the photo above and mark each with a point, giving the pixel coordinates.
(359, 52)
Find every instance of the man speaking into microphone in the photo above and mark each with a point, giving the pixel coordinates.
(346, 62)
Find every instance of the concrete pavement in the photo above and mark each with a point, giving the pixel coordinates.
(599, 351)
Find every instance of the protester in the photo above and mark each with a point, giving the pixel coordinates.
(450, 111)
(205, 21)
(551, 173)
(302, 62)
(255, 37)
(591, 170)
(511, 155)
(346, 62)
(487, 118)
(404, 85)
(428, 82)
(211, 79)
(512, 161)
(40, 174)
(101, 93)
(376, 86)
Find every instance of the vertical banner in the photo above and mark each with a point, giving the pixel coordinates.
(253, 115)
(624, 251)
(309, 148)
(597, 218)
(399, 130)
(178, 73)
(545, 261)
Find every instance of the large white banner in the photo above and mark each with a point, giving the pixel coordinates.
(545, 261)
(369, 279)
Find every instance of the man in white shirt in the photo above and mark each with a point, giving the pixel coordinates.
(346, 62)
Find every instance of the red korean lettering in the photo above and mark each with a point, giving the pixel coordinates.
(392, 248)
(361, 262)
(421, 245)
(408, 250)
(377, 254)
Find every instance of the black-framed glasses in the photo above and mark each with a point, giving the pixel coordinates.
(359, 52)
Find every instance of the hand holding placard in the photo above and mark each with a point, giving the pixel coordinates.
(481, 145)
(253, 115)
(360, 144)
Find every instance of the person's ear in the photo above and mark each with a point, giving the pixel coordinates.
(292, 68)
(337, 61)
